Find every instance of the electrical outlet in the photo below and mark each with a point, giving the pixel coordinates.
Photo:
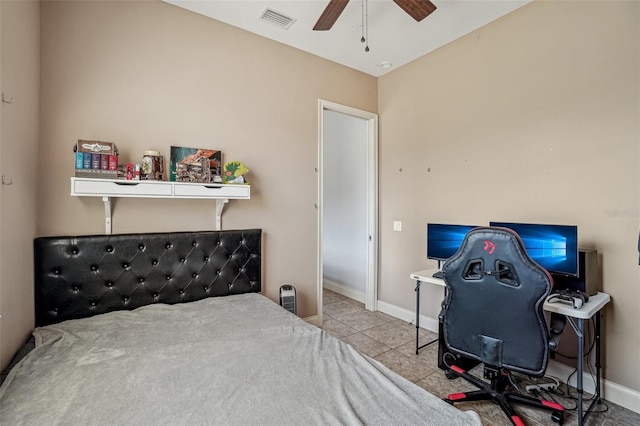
(397, 225)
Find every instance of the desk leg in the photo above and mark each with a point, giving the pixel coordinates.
(597, 331)
(418, 283)
(580, 369)
(418, 347)
(579, 329)
(596, 398)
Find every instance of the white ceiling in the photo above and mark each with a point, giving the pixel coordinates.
(393, 36)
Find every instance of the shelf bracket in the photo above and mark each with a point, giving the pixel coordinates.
(107, 214)
(219, 207)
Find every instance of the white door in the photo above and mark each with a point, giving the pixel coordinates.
(347, 217)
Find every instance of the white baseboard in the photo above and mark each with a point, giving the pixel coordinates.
(360, 296)
(611, 391)
(562, 372)
(621, 395)
(314, 319)
(427, 323)
(384, 307)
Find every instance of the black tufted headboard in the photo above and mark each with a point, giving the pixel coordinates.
(81, 276)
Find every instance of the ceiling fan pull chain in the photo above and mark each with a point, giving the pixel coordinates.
(366, 27)
(362, 39)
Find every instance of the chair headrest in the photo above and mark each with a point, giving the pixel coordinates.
(493, 251)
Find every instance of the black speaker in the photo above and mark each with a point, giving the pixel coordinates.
(588, 279)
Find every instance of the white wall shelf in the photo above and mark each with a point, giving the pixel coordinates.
(110, 188)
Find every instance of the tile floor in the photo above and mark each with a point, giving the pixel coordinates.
(392, 342)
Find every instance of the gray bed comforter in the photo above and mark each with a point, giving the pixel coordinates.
(228, 360)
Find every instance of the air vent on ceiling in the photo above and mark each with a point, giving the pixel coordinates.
(276, 18)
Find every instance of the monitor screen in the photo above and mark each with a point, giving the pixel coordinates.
(554, 247)
(443, 241)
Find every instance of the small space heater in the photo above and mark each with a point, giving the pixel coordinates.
(288, 298)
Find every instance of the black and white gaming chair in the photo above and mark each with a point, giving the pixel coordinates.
(493, 313)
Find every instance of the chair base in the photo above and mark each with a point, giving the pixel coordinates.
(496, 391)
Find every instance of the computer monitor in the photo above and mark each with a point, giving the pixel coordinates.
(554, 247)
(443, 241)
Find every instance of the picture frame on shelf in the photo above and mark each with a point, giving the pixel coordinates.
(201, 165)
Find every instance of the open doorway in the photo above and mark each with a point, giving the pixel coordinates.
(348, 202)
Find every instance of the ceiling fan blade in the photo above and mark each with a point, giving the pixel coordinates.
(417, 9)
(330, 15)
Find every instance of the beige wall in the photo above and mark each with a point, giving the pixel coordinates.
(148, 75)
(19, 63)
(534, 118)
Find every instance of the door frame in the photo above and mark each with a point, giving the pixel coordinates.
(371, 287)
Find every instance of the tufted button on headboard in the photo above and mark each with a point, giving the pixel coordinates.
(81, 276)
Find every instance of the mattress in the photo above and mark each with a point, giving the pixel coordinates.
(232, 360)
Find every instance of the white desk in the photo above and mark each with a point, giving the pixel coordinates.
(588, 310)
(425, 276)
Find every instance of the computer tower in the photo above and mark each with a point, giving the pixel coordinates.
(588, 280)
(288, 298)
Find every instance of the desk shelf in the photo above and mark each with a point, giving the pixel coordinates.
(110, 188)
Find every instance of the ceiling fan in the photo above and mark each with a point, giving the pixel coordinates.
(417, 9)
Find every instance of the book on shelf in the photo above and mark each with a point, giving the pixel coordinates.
(97, 173)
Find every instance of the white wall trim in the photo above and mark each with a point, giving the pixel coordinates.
(314, 319)
(427, 323)
(344, 290)
(562, 372)
(621, 395)
(372, 200)
(611, 391)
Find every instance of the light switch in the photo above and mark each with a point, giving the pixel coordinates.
(397, 225)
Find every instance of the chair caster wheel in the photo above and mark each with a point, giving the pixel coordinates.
(450, 375)
(558, 417)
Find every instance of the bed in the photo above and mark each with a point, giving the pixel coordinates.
(171, 328)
